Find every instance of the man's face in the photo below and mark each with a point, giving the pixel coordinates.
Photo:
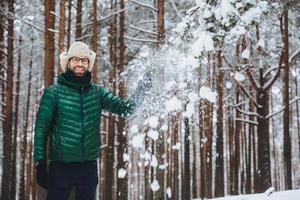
(79, 66)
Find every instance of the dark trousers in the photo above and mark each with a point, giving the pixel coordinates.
(64, 176)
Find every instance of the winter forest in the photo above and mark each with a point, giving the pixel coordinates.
(222, 117)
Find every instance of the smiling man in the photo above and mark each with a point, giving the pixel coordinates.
(69, 115)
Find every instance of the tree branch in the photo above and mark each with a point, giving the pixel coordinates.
(280, 110)
(247, 93)
(140, 39)
(142, 30)
(252, 80)
(144, 5)
(270, 83)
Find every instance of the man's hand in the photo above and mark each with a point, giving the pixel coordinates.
(41, 174)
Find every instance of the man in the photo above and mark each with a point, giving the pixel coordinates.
(69, 114)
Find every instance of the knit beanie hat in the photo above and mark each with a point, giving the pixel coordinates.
(77, 49)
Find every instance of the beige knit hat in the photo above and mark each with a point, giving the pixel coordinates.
(77, 49)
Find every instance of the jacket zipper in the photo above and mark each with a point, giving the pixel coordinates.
(82, 124)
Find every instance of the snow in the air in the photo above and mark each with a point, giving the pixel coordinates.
(154, 185)
(246, 54)
(122, 173)
(154, 162)
(169, 192)
(208, 94)
(138, 141)
(173, 104)
(239, 76)
(153, 134)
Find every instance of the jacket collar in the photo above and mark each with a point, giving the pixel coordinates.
(70, 80)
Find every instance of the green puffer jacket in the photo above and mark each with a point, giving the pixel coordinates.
(69, 114)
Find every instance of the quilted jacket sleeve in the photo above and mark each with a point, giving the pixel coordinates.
(43, 123)
(124, 108)
(116, 105)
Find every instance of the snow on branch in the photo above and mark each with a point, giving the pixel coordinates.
(272, 80)
(111, 15)
(294, 56)
(146, 21)
(142, 30)
(85, 36)
(247, 121)
(140, 39)
(53, 30)
(2, 78)
(3, 104)
(144, 5)
(247, 93)
(55, 14)
(29, 23)
(244, 112)
(280, 110)
(4, 52)
(269, 71)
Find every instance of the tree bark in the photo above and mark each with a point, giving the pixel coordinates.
(61, 40)
(94, 38)
(49, 42)
(286, 120)
(111, 121)
(122, 186)
(69, 23)
(160, 22)
(78, 20)
(219, 180)
(16, 123)
(8, 121)
(23, 150)
(187, 173)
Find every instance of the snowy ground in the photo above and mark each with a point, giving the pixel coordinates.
(282, 195)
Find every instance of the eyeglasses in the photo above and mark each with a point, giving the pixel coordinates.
(76, 60)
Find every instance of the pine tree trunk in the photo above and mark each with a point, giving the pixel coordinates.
(16, 114)
(250, 147)
(78, 20)
(219, 180)
(187, 173)
(160, 21)
(175, 170)
(286, 112)
(122, 192)
(49, 42)
(69, 23)
(23, 175)
(297, 112)
(111, 121)
(61, 40)
(231, 151)
(237, 145)
(2, 67)
(94, 38)
(8, 120)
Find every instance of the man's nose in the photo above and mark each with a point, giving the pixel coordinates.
(80, 62)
